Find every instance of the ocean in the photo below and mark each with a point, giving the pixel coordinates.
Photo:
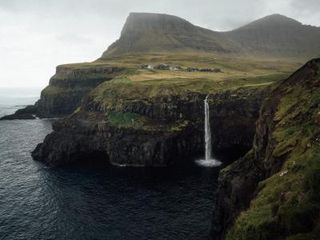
(93, 201)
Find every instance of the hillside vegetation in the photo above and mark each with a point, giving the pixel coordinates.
(234, 72)
(271, 36)
(280, 176)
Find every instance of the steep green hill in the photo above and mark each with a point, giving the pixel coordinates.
(148, 32)
(271, 36)
(273, 192)
(278, 36)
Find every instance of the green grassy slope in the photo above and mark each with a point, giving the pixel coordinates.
(271, 36)
(287, 203)
(140, 83)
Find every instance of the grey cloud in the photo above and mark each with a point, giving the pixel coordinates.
(37, 35)
(72, 38)
(307, 11)
(312, 6)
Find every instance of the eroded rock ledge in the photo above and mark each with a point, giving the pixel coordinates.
(154, 131)
(66, 89)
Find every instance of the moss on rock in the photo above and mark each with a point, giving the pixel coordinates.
(285, 203)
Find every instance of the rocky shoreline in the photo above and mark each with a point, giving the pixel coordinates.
(29, 112)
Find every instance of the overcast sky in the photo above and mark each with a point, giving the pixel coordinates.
(37, 35)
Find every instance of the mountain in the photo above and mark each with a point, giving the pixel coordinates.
(277, 35)
(273, 36)
(146, 32)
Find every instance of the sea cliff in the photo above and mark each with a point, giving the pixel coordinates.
(273, 191)
(158, 130)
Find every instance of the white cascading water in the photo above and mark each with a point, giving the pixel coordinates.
(208, 161)
(207, 130)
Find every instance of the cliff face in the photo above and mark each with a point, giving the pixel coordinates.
(156, 131)
(69, 85)
(273, 192)
(67, 88)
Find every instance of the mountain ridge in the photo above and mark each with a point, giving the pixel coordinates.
(270, 19)
(273, 35)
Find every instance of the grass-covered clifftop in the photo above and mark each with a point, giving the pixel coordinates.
(233, 73)
(72, 82)
(277, 184)
(141, 97)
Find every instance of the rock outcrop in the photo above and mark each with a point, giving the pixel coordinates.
(29, 112)
(69, 85)
(273, 192)
(156, 131)
(66, 89)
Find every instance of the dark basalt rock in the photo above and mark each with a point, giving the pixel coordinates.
(18, 117)
(77, 140)
(28, 112)
(173, 134)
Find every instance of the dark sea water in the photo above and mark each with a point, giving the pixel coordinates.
(94, 202)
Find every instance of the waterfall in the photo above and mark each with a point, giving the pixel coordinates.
(208, 161)
(207, 130)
